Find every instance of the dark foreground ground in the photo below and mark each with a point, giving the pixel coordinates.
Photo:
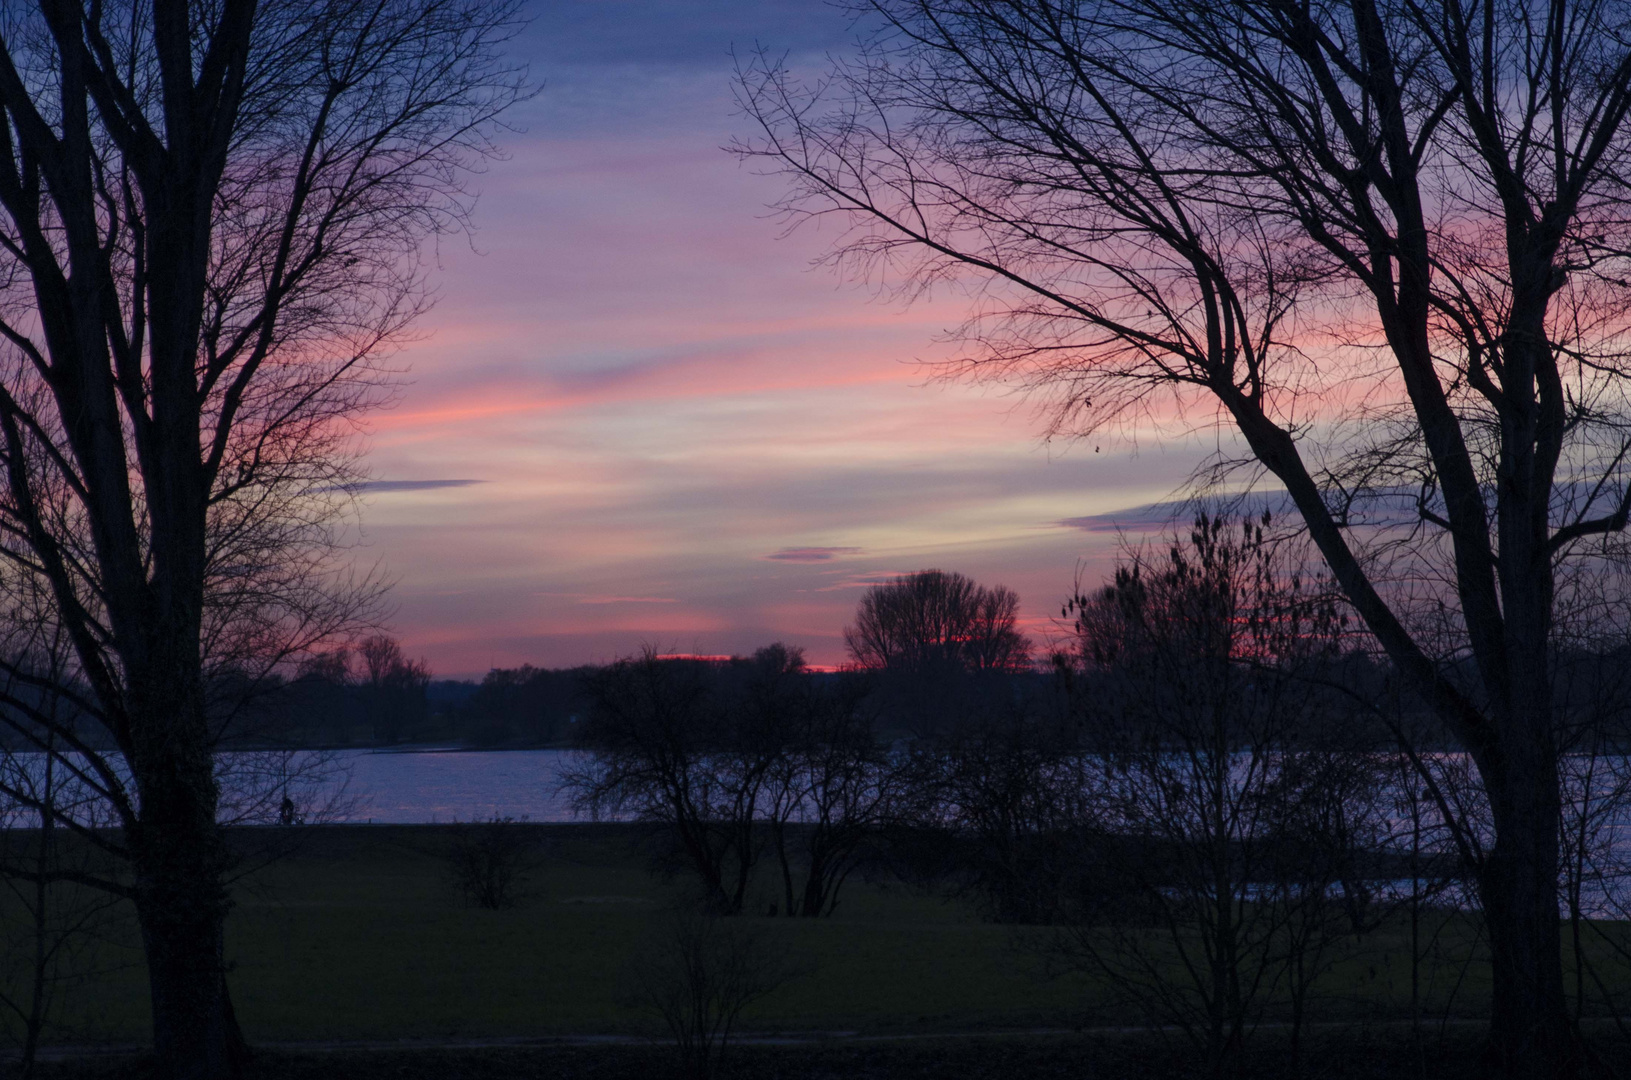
(1349, 1056)
(359, 935)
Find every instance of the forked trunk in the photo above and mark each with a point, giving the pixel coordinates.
(815, 887)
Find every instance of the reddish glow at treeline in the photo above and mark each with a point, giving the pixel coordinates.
(636, 418)
(717, 658)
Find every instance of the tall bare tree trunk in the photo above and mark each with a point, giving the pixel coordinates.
(194, 297)
(179, 858)
(1530, 1033)
(194, 1033)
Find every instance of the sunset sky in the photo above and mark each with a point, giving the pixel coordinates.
(637, 415)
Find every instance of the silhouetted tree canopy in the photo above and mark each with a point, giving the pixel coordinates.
(938, 621)
(733, 755)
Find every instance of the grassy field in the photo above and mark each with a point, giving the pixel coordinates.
(359, 935)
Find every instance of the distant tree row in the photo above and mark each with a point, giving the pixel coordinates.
(931, 640)
(525, 705)
(369, 692)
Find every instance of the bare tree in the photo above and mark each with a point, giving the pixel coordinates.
(1012, 784)
(1330, 818)
(1200, 733)
(831, 789)
(210, 223)
(488, 858)
(698, 972)
(665, 744)
(729, 756)
(1384, 242)
(935, 621)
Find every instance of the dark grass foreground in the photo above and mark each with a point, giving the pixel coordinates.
(1379, 1055)
(358, 937)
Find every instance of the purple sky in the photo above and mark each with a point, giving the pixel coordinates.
(682, 434)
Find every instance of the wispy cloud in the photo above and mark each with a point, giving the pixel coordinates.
(811, 554)
(1160, 516)
(627, 600)
(1124, 521)
(374, 487)
(865, 581)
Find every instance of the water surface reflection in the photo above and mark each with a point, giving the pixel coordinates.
(412, 787)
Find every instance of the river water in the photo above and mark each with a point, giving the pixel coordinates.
(419, 785)
(386, 787)
(415, 787)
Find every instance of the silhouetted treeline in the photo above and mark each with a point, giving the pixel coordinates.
(369, 693)
(372, 695)
(523, 706)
